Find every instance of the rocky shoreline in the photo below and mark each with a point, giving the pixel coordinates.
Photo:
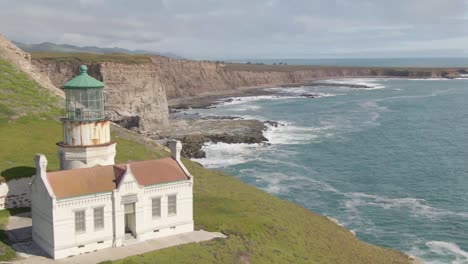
(195, 130)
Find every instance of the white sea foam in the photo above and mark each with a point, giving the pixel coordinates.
(373, 105)
(245, 107)
(373, 84)
(278, 182)
(222, 154)
(448, 249)
(283, 94)
(287, 133)
(419, 207)
(247, 99)
(374, 110)
(300, 91)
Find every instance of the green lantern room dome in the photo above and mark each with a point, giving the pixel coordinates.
(84, 98)
(83, 81)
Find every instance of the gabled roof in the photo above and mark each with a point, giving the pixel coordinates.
(78, 182)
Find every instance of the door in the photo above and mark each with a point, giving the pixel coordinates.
(129, 218)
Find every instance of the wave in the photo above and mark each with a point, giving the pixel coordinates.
(220, 154)
(246, 99)
(374, 110)
(447, 249)
(288, 134)
(283, 183)
(282, 94)
(243, 108)
(373, 105)
(223, 154)
(373, 84)
(418, 207)
(300, 92)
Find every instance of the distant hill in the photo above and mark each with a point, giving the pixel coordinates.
(66, 48)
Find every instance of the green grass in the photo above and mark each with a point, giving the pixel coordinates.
(261, 227)
(21, 96)
(91, 57)
(22, 138)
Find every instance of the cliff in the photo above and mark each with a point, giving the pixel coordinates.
(138, 88)
(134, 93)
(184, 78)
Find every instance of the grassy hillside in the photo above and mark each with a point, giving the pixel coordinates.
(261, 228)
(91, 58)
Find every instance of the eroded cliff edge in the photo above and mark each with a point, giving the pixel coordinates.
(185, 78)
(135, 96)
(140, 90)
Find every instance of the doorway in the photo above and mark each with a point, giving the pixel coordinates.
(129, 220)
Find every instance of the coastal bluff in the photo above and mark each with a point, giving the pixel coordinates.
(138, 87)
(254, 220)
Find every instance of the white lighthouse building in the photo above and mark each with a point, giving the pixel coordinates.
(93, 203)
(86, 131)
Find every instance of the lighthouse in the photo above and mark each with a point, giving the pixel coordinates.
(86, 130)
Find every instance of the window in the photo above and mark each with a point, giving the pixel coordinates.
(172, 205)
(156, 207)
(98, 218)
(80, 222)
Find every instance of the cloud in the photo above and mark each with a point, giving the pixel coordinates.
(245, 28)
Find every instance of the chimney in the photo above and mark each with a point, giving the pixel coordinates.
(175, 147)
(41, 164)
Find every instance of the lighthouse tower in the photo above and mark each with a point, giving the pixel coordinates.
(86, 131)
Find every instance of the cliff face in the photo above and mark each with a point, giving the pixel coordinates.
(183, 78)
(136, 94)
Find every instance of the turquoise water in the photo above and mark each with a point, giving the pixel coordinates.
(371, 62)
(389, 163)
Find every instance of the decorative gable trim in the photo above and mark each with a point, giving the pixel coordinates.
(184, 169)
(128, 180)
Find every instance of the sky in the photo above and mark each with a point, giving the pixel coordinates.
(236, 29)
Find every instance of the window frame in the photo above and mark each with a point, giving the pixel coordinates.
(169, 213)
(75, 214)
(97, 228)
(159, 215)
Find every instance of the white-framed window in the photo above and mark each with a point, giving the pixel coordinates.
(172, 204)
(80, 221)
(156, 207)
(98, 218)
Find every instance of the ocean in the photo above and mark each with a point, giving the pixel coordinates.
(389, 163)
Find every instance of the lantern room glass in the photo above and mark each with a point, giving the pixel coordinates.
(84, 104)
